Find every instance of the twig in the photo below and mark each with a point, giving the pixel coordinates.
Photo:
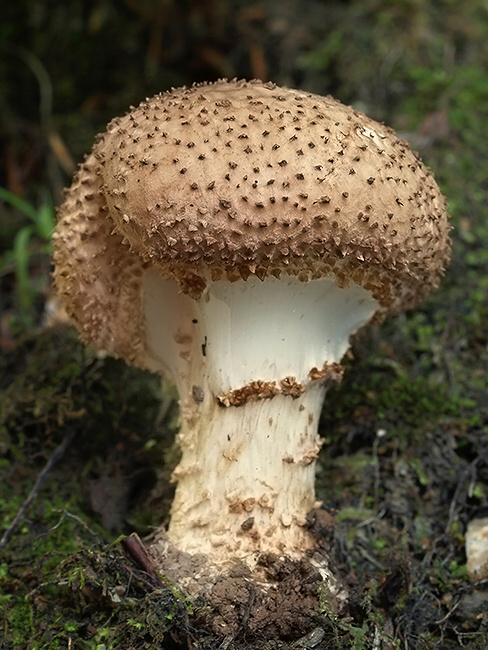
(53, 459)
(380, 433)
(64, 514)
(226, 643)
(449, 613)
(247, 612)
(134, 549)
(367, 556)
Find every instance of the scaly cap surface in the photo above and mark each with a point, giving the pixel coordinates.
(230, 179)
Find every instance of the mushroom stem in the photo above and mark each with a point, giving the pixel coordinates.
(246, 479)
(252, 363)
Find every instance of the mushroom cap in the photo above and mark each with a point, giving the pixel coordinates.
(234, 178)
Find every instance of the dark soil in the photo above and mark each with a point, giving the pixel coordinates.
(279, 600)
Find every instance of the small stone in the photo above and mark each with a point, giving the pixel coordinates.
(477, 549)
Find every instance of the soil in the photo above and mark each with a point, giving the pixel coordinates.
(279, 599)
(284, 610)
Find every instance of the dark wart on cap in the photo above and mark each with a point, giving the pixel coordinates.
(232, 237)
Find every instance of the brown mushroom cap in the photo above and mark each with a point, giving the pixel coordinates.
(230, 179)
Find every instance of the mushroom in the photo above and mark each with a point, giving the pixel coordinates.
(233, 236)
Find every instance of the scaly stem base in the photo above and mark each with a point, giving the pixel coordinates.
(246, 478)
